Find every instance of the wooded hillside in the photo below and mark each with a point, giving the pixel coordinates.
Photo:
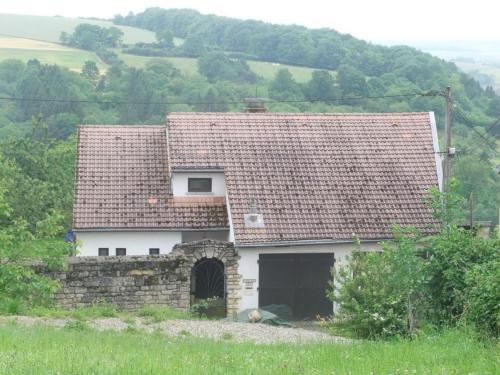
(350, 75)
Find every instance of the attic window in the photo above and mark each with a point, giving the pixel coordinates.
(199, 185)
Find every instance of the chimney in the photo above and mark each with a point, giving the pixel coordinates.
(255, 105)
(254, 219)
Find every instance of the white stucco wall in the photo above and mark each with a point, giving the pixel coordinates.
(180, 183)
(249, 267)
(229, 218)
(220, 235)
(136, 243)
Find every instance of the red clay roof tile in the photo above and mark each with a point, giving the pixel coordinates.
(122, 182)
(314, 176)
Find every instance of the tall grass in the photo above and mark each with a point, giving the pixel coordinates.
(43, 350)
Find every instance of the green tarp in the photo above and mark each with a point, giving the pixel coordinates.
(276, 315)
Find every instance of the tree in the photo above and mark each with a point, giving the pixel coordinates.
(37, 173)
(494, 107)
(217, 66)
(11, 70)
(165, 39)
(351, 81)
(113, 36)
(477, 177)
(93, 37)
(193, 46)
(321, 86)
(284, 87)
(64, 37)
(49, 81)
(20, 285)
(90, 71)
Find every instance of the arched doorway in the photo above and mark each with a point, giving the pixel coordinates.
(208, 287)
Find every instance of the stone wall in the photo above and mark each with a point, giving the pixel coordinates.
(133, 281)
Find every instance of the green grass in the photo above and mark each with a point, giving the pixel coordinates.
(50, 28)
(158, 314)
(268, 70)
(189, 66)
(68, 59)
(103, 310)
(78, 350)
(47, 53)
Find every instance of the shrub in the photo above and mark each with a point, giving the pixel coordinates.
(381, 294)
(454, 257)
(21, 251)
(482, 297)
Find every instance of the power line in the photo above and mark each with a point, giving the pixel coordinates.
(86, 101)
(469, 124)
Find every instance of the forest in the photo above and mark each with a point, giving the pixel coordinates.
(41, 105)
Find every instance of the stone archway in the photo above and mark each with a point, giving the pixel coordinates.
(134, 281)
(214, 256)
(208, 283)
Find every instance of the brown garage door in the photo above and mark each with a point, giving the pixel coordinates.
(297, 280)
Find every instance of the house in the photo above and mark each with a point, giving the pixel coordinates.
(291, 191)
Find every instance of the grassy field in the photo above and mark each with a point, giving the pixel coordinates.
(53, 53)
(77, 350)
(268, 70)
(186, 65)
(50, 28)
(492, 70)
(189, 66)
(46, 53)
(20, 40)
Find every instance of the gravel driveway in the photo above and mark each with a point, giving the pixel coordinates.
(217, 330)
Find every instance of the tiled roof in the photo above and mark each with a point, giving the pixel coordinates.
(314, 176)
(122, 182)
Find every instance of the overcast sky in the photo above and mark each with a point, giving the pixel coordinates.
(373, 20)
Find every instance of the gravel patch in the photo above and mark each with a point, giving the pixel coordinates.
(211, 329)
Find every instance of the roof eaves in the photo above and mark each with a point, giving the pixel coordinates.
(147, 229)
(304, 242)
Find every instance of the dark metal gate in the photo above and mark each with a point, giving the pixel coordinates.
(297, 280)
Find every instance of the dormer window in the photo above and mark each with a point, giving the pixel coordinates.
(199, 185)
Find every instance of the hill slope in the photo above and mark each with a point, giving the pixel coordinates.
(367, 78)
(49, 28)
(45, 52)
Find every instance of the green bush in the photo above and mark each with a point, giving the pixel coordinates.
(21, 251)
(482, 297)
(453, 254)
(381, 294)
(447, 279)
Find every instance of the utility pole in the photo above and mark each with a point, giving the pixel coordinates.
(447, 138)
(471, 210)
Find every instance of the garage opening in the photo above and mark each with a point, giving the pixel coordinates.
(297, 280)
(208, 287)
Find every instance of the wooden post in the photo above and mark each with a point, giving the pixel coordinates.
(447, 138)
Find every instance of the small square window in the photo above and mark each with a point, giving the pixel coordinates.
(154, 251)
(103, 252)
(199, 185)
(121, 251)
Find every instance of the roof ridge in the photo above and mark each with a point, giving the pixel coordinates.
(297, 114)
(119, 126)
